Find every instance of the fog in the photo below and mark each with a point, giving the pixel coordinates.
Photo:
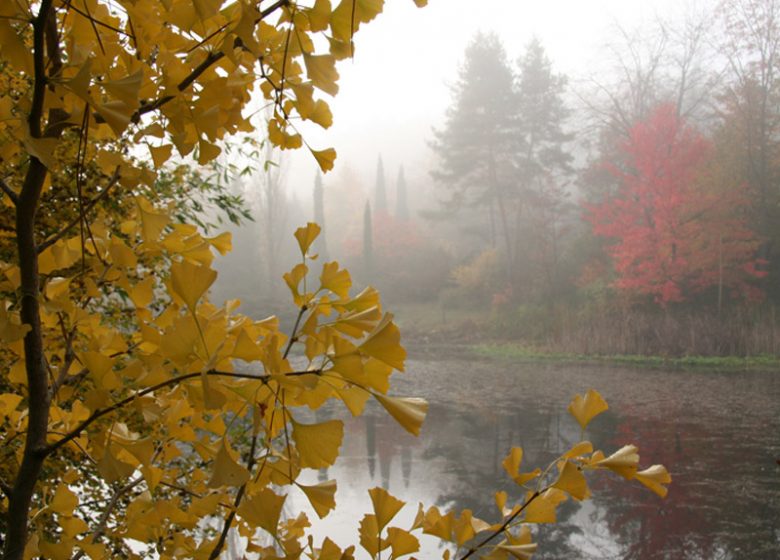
(619, 197)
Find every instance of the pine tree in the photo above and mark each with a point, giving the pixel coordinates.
(401, 202)
(380, 192)
(477, 145)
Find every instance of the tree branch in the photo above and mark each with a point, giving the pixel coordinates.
(163, 384)
(91, 204)
(212, 58)
(504, 525)
(9, 192)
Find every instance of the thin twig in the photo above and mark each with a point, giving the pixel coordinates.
(9, 192)
(87, 207)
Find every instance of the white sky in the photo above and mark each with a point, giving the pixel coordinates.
(395, 90)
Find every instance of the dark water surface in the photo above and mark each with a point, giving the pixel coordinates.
(717, 433)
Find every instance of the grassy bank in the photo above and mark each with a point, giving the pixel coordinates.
(721, 363)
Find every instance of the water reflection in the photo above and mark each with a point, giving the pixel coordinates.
(719, 434)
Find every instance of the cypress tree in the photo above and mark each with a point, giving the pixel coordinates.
(368, 241)
(401, 203)
(321, 245)
(380, 192)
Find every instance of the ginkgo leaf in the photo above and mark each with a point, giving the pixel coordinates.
(263, 510)
(582, 448)
(116, 114)
(321, 496)
(402, 542)
(370, 537)
(321, 70)
(125, 89)
(190, 281)
(384, 343)
(222, 242)
(112, 469)
(654, 478)
(624, 461)
(306, 236)
(64, 501)
(512, 463)
(543, 509)
(325, 158)
(438, 525)
(584, 409)
(520, 551)
(409, 412)
(226, 471)
(335, 280)
(318, 444)
(386, 506)
(160, 154)
(319, 15)
(153, 222)
(572, 481)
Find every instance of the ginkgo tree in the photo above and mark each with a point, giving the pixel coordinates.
(137, 418)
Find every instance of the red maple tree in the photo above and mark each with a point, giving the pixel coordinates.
(676, 231)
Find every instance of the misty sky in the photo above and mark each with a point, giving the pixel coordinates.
(396, 88)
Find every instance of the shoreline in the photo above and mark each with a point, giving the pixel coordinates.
(517, 352)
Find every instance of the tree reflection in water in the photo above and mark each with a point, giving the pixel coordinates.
(719, 434)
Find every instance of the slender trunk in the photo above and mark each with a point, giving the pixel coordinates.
(21, 496)
(37, 382)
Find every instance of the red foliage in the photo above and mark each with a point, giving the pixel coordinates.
(675, 234)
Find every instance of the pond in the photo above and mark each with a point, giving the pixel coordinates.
(718, 433)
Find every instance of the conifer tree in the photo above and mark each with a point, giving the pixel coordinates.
(401, 202)
(321, 245)
(380, 191)
(368, 240)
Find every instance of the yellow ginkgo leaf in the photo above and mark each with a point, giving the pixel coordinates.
(654, 478)
(125, 89)
(321, 496)
(321, 70)
(402, 542)
(384, 343)
(160, 154)
(318, 444)
(409, 412)
(520, 551)
(246, 349)
(370, 536)
(438, 525)
(543, 509)
(335, 280)
(116, 114)
(572, 481)
(511, 465)
(222, 242)
(306, 236)
(263, 510)
(64, 501)
(624, 461)
(582, 448)
(584, 409)
(152, 220)
(326, 159)
(386, 506)
(190, 281)
(319, 15)
(226, 471)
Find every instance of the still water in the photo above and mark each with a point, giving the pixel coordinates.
(717, 433)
